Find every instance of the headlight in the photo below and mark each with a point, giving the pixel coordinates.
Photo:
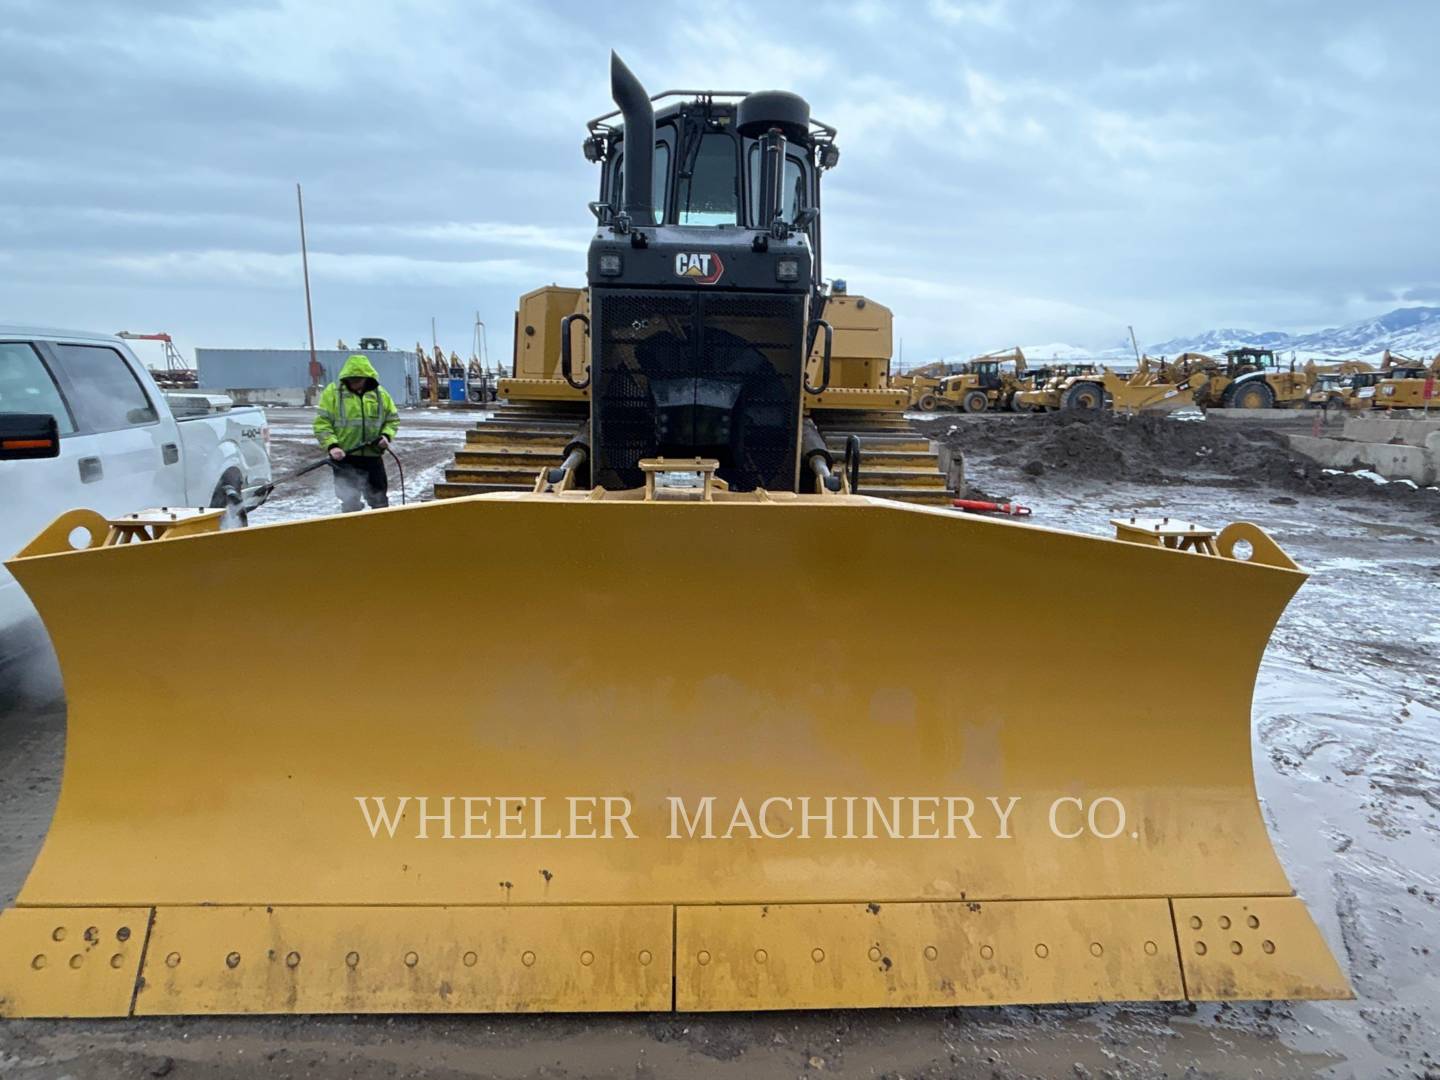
(787, 270)
(610, 264)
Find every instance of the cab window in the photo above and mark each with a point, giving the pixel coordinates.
(795, 195)
(106, 394)
(710, 195)
(660, 173)
(27, 387)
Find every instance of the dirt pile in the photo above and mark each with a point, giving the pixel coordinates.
(1147, 449)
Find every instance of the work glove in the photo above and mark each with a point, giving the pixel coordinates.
(336, 454)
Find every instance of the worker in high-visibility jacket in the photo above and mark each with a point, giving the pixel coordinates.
(354, 423)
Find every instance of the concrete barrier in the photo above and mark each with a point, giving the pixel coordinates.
(1383, 427)
(1272, 418)
(1394, 461)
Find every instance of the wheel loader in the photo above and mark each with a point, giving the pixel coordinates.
(985, 382)
(706, 766)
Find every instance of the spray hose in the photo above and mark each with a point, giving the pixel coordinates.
(263, 491)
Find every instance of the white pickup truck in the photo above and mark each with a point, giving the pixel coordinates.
(124, 446)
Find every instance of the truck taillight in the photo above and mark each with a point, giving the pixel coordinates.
(265, 437)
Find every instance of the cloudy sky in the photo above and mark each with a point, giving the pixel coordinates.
(1011, 172)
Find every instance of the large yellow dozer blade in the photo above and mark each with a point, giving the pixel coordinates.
(690, 756)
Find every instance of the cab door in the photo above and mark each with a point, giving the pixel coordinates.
(128, 456)
(35, 490)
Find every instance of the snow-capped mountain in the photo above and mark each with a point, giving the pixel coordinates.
(1413, 331)
(1410, 331)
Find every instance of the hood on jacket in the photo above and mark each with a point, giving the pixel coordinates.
(359, 367)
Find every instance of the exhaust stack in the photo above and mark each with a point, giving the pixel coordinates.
(639, 116)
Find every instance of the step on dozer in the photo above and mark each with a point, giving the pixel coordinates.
(706, 765)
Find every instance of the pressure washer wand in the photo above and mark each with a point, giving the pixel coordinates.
(263, 491)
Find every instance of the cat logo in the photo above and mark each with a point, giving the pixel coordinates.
(701, 267)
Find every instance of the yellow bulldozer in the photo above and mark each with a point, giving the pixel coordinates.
(707, 766)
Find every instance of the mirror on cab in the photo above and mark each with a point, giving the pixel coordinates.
(28, 435)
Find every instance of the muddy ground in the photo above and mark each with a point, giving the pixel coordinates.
(1347, 759)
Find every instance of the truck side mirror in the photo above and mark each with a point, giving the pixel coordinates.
(28, 435)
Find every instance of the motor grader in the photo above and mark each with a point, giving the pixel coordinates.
(708, 766)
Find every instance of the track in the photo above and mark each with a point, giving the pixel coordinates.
(507, 450)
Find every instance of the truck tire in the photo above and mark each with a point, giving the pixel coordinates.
(975, 401)
(229, 492)
(1084, 397)
(926, 403)
(1250, 394)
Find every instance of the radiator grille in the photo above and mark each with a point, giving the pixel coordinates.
(682, 374)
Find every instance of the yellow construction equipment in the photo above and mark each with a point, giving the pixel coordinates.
(1050, 389)
(1248, 378)
(708, 767)
(1148, 389)
(1406, 384)
(1333, 384)
(989, 381)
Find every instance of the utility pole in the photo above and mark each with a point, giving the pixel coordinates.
(1133, 344)
(478, 346)
(305, 266)
(434, 341)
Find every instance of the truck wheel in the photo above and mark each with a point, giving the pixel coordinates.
(1253, 394)
(229, 494)
(926, 403)
(1084, 396)
(975, 401)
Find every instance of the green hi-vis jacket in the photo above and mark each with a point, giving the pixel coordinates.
(354, 421)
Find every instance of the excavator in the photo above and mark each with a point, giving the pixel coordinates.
(708, 767)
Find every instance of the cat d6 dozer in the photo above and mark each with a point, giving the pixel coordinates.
(707, 765)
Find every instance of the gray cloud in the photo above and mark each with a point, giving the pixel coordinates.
(1010, 172)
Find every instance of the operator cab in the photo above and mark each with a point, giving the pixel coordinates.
(986, 372)
(704, 285)
(1243, 360)
(708, 161)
